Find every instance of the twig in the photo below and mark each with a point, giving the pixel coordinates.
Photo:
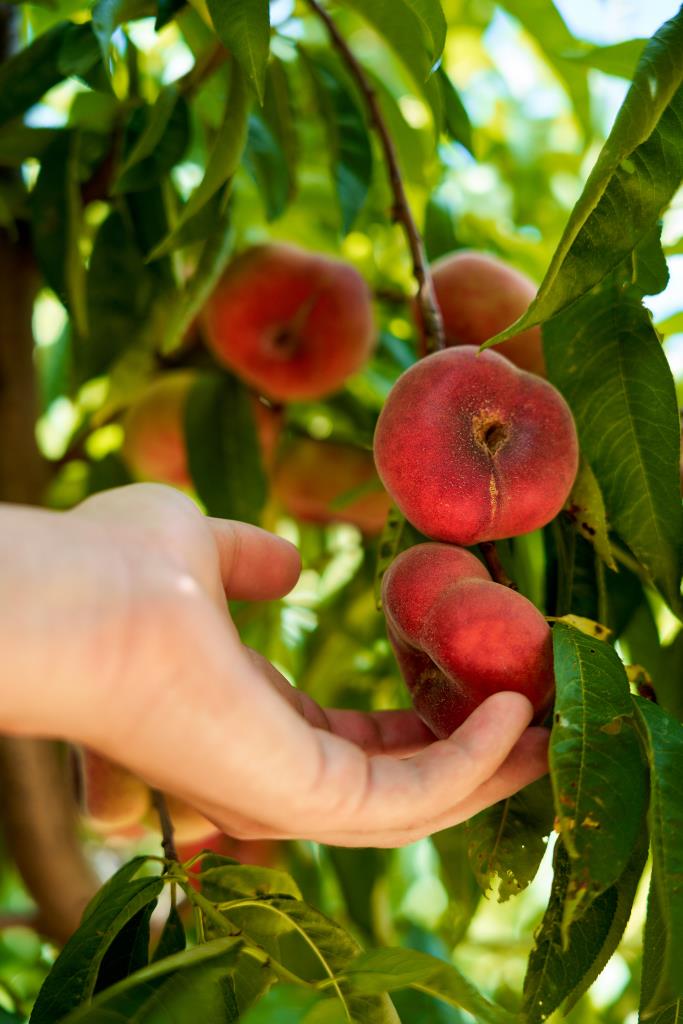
(167, 840)
(495, 566)
(428, 313)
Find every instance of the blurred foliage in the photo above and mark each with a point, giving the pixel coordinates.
(143, 148)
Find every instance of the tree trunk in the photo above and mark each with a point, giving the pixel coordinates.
(37, 807)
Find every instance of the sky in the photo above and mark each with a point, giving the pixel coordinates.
(610, 21)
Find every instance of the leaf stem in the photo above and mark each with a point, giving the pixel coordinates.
(429, 319)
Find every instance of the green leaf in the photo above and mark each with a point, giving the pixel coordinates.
(310, 946)
(587, 510)
(223, 161)
(61, 51)
(396, 21)
(160, 144)
(107, 15)
(456, 119)
(604, 356)
(635, 176)
(243, 26)
(404, 32)
(385, 970)
(118, 881)
(439, 227)
(18, 142)
(129, 951)
(182, 311)
(560, 973)
(650, 270)
(625, 889)
(166, 12)
(508, 840)
(74, 974)
(120, 289)
(663, 742)
(225, 460)
(265, 161)
(221, 882)
(598, 776)
(193, 983)
(619, 59)
(464, 894)
(279, 116)
(431, 16)
(671, 325)
(347, 136)
(172, 939)
(358, 872)
(655, 943)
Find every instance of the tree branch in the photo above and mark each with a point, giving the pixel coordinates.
(429, 319)
(495, 566)
(167, 839)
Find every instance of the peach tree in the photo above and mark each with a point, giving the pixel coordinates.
(217, 222)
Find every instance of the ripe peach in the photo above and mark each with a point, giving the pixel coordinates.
(473, 449)
(154, 446)
(311, 479)
(479, 296)
(292, 323)
(114, 801)
(459, 637)
(154, 437)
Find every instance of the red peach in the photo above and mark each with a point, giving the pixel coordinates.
(473, 449)
(292, 323)
(311, 479)
(479, 296)
(154, 437)
(459, 637)
(155, 447)
(114, 801)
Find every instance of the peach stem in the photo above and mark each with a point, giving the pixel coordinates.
(495, 566)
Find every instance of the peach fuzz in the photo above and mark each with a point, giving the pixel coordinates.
(479, 296)
(472, 449)
(311, 479)
(459, 637)
(293, 324)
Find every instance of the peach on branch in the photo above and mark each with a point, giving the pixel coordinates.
(459, 637)
(473, 449)
(155, 446)
(293, 324)
(479, 296)
(312, 480)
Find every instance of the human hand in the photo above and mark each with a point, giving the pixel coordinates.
(159, 681)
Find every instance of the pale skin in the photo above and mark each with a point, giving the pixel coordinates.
(115, 633)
